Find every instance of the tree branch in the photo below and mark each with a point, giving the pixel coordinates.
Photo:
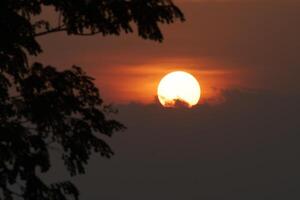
(61, 29)
(54, 30)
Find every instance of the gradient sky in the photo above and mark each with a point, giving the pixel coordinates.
(249, 44)
(243, 52)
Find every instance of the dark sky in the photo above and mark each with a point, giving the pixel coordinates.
(245, 148)
(245, 53)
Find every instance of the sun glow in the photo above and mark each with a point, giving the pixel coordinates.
(178, 88)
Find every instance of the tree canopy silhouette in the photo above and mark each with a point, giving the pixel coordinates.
(42, 107)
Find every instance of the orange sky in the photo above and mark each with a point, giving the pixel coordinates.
(139, 82)
(246, 147)
(224, 44)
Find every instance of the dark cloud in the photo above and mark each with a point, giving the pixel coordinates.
(244, 148)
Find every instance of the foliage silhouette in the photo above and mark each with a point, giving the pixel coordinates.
(41, 107)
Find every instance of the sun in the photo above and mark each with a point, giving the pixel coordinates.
(178, 88)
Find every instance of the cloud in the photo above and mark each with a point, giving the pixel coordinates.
(244, 148)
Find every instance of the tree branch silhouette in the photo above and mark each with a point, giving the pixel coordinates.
(41, 105)
(53, 30)
(56, 30)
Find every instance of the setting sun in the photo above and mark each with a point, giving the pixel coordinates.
(178, 87)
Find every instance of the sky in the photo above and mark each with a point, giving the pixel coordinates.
(240, 142)
(246, 44)
(245, 148)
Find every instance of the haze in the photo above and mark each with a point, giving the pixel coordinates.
(241, 142)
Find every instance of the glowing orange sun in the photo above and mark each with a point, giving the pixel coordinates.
(178, 87)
